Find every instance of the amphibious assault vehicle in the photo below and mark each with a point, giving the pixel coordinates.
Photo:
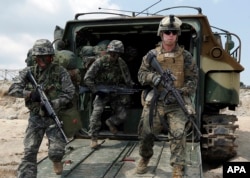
(219, 83)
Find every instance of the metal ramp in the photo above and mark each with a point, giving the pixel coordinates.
(118, 158)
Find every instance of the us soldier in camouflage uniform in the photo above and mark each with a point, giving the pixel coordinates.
(167, 112)
(59, 89)
(110, 69)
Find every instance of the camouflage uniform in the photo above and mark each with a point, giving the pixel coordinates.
(162, 108)
(59, 89)
(106, 72)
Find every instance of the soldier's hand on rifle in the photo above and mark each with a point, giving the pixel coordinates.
(55, 104)
(97, 92)
(190, 109)
(156, 80)
(93, 89)
(185, 90)
(101, 94)
(35, 96)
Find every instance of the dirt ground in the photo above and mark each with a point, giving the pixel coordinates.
(13, 122)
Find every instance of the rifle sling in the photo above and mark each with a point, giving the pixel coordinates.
(152, 109)
(123, 73)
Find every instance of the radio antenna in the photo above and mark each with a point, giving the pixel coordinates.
(148, 7)
(133, 13)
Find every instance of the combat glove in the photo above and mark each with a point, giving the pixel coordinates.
(185, 90)
(156, 80)
(96, 92)
(35, 96)
(55, 104)
(100, 94)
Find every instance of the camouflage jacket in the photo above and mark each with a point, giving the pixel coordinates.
(106, 72)
(146, 71)
(55, 81)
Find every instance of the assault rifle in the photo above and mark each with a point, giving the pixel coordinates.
(45, 102)
(110, 89)
(167, 83)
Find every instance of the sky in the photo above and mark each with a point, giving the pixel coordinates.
(25, 21)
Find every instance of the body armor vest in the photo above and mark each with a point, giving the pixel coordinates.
(173, 61)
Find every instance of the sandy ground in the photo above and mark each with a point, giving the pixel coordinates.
(13, 122)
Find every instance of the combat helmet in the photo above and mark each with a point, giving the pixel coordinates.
(42, 47)
(101, 47)
(88, 56)
(30, 61)
(115, 46)
(86, 51)
(170, 23)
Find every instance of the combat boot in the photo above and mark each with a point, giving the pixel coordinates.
(93, 143)
(111, 126)
(177, 171)
(58, 167)
(142, 166)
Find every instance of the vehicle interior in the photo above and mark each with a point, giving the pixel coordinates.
(136, 38)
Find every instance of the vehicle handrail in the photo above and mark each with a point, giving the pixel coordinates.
(197, 8)
(89, 13)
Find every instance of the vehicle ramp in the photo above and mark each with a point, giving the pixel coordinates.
(118, 158)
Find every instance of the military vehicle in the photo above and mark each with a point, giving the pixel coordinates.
(218, 89)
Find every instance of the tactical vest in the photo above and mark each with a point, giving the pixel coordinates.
(173, 61)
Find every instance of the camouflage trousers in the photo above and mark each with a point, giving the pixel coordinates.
(175, 120)
(118, 117)
(37, 127)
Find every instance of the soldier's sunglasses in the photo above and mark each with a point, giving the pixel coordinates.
(168, 32)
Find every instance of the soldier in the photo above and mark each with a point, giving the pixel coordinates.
(101, 48)
(88, 57)
(30, 59)
(68, 60)
(71, 115)
(59, 89)
(166, 112)
(110, 69)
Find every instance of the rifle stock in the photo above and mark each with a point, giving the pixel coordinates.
(45, 102)
(167, 82)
